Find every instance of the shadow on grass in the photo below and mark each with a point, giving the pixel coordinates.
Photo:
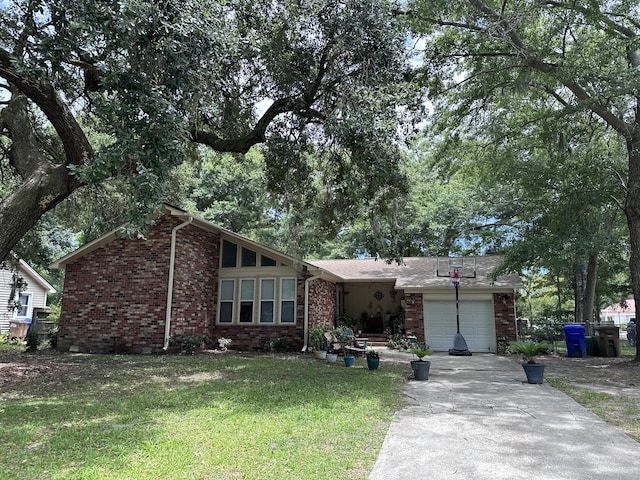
(171, 416)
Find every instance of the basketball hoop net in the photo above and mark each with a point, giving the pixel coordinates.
(455, 275)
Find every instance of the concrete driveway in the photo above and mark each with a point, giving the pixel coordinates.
(476, 418)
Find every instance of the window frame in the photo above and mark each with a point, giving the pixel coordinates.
(242, 301)
(227, 301)
(282, 300)
(271, 300)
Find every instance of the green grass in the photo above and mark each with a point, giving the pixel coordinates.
(199, 417)
(618, 411)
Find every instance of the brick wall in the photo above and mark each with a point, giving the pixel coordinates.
(115, 297)
(505, 317)
(322, 302)
(414, 315)
(195, 289)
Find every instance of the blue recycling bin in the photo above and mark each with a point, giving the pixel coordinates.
(574, 336)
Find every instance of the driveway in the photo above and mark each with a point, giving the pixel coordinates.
(476, 418)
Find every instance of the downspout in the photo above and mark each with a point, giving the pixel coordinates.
(172, 264)
(306, 307)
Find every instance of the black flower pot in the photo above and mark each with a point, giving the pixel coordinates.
(534, 372)
(420, 369)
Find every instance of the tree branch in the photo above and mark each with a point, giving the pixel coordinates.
(243, 144)
(78, 150)
(509, 33)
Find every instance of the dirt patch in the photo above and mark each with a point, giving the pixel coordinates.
(19, 370)
(613, 375)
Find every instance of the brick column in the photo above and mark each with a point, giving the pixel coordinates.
(505, 319)
(414, 315)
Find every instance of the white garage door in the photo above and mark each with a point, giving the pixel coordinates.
(476, 325)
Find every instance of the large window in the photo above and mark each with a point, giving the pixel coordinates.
(267, 300)
(247, 289)
(248, 258)
(227, 288)
(267, 261)
(257, 301)
(288, 300)
(229, 254)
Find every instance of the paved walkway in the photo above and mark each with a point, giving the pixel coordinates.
(476, 418)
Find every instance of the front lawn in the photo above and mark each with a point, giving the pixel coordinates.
(208, 416)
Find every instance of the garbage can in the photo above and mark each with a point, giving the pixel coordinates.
(18, 328)
(608, 340)
(575, 338)
(592, 346)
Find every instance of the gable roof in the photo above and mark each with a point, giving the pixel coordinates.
(182, 215)
(628, 308)
(415, 273)
(31, 274)
(419, 272)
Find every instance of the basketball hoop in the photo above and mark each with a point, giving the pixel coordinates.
(456, 271)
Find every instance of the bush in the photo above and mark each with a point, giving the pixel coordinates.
(189, 343)
(400, 342)
(278, 344)
(52, 335)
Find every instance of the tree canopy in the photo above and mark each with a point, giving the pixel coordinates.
(498, 69)
(97, 90)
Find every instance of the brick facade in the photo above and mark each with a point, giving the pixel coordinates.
(115, 297)
(505, 316)
(414, 315)
(322, 302)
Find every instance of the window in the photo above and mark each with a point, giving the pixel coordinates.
(267, 299)
(25, 305)
(248, 258)
(288, 300)
(229, 254)
(247, 288)
(267, 262)
(227, 288)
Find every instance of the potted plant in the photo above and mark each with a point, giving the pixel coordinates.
(332, 354)
(344, 335)
(420, 367)
(315, 340)
(318, 340)
(529, 350)
(373, 359)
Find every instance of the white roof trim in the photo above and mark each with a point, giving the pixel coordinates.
(47, 286)
(198, 222)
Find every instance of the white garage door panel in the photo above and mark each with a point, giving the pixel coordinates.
(476, 325)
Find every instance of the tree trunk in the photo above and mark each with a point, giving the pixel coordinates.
(632, 211)
(45, 183)
(21, 211)
(590, 288)
(579, 288)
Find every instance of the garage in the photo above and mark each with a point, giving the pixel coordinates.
(477, 324)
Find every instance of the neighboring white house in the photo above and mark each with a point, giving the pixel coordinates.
(619, 314)
(33, 296)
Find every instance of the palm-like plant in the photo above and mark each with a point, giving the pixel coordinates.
(529, 349)
(420, 350)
